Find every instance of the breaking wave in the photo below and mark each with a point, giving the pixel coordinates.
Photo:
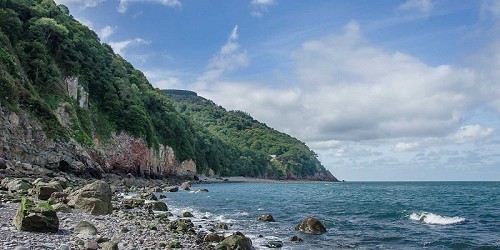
(435, 219)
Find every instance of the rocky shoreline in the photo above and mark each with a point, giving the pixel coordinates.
(114, 212)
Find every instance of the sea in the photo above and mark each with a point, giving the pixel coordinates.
(357, 215)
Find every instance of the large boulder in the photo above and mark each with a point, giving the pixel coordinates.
(237, 241)
(311, 225)
(43, 190)
(36, 218)
(94, 198)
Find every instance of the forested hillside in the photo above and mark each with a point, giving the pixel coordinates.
(291, 157)
(56, 72)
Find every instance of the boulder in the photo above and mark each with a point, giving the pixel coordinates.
(156, 206)
(94, 198)
(3, 163)
(132, 202)
(181, 225)
(17, 185)
(61, 207)
(110, 245)
(187, 214)
(236, 241)
(43, 190)
(85, 228)
(311, 225)
(36, 218)
(221, 226)
(266, 217)
(296, 238)
(186, 185)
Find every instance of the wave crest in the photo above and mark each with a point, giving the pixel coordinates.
(435, 219)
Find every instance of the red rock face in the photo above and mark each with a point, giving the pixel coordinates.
(23, 139)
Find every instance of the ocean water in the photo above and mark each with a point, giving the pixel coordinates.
(357, 215)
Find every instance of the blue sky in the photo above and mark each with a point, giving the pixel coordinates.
(381, 90)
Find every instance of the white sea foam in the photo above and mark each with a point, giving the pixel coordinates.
(435, 219)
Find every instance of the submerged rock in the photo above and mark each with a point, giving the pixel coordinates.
(296, 238)
(36, 218)
(274, 244)
(266, 217)
(171, 189)
(311, 225)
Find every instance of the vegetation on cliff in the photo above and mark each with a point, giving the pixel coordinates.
(50, 62)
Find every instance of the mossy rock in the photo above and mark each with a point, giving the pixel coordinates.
(36, 218)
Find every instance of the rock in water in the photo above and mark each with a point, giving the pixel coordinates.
(171, 189)
(187, 214)
(275, 244)
(36, 218)
(156, 206)
(311, 225)
(296, 238)
(186, 185)
(85, 228)
(235, 241)
(266, 217)
(94, 198)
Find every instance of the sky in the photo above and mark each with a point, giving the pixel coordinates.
(380, 90)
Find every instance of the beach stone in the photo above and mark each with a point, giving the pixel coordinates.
(175, 244)
(85, 228)
(296, 238)
(266, 217)
(213, 238)
(110, 245)
(187, 214)
(132, 202)
(274, 244)
(156, 206)
(186, 185)
(311, 225)
(91, 245)
(172, 189)
(36, 218)
(64, 247)
(94, 198)
(181, 225)
(58, 197)
(151, 196)
(236, 241)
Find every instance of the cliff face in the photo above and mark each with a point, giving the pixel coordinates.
(23, 139)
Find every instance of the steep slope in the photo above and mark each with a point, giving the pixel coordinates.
(289, 156)
(68, 103)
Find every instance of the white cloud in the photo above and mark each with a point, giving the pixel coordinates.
(422, 6)
(259, 7)
(123, 6)
(229, 58)
(81, 3)
(119, 47)
(406, 146)
(106, 32)
(471, 133)
(490, 8)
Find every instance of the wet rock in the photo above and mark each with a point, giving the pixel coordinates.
(162, 196)
(296, 238)
(36, 218)
(186, 185)
(156, 206)
(202, 190)
(311, 225)
(221, 226)
(171, 189)
(181, 225)
(266, 217)
(235, 241)
(94, 198)
(187, 214)
(274, 244)
(85, 228)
